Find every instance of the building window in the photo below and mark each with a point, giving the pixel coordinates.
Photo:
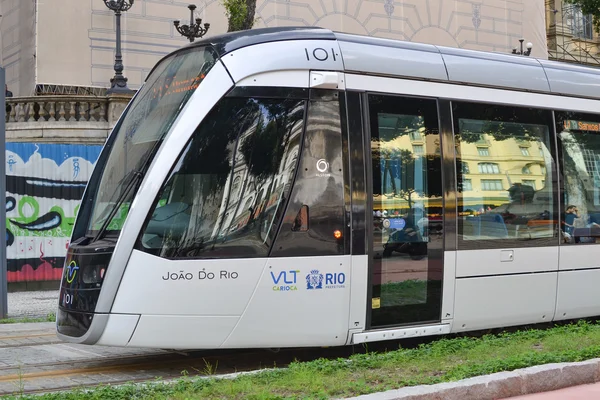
(491, 184)
(415, 135)
(582, 25)
(488, 168)
(418, 149)
(524, 151)
(483, 151)
(501, 205)
(236, 186)
(465, 168)
(466, 185)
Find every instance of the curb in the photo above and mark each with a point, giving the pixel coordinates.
(501, 385)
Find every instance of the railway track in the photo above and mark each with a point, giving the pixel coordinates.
(37, 374)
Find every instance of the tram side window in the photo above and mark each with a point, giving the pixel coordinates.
(506, 194)
(227, 192)
(579, 139)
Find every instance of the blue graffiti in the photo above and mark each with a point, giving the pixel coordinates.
(10, 238)
(11, 203)
(56, 152)
(11, 161)
(75, 167)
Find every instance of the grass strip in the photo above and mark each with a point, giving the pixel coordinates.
(48, 318)
(447, 359)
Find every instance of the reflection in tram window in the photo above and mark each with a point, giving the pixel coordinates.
(227, 192)
(510, 195)
(407, 206)
(579, 136)
(139, 135)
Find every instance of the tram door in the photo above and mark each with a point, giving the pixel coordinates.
(406, 255)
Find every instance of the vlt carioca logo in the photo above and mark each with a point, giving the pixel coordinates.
(71, 271)
(285, 281)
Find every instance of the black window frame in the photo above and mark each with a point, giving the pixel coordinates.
(559, 120)
(526, 115)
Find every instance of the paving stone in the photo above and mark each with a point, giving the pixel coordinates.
(32, 304)
(84, 380)
(46, 383)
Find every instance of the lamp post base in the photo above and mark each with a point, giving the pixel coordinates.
(118, 85)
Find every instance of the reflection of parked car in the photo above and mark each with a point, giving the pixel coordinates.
(408, 241)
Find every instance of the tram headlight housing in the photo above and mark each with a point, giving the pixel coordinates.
(93, 274)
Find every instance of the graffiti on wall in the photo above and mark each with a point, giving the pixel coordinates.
(44, 186)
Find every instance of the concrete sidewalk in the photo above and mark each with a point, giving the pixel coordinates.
(32, 304)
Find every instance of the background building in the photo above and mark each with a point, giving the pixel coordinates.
(571, 35)
(71, 44)
(67, 47)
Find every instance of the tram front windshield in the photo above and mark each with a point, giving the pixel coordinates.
(140, 133)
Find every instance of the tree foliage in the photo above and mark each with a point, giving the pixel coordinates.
(589, 7)
(240, 14)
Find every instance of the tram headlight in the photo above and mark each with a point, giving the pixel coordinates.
(93, 274)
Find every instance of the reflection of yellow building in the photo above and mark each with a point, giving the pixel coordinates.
(490, 167)
(492, 172)
(403, 152)
(503, 175)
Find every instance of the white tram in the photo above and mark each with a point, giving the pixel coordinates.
(298, 187)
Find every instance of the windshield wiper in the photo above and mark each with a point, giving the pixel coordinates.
(135, 176)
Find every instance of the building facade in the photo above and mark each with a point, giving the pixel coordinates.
(46, 49)
(571, 34)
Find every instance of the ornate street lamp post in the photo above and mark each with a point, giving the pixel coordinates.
(193, 30)
(521, 52)
(118, 82)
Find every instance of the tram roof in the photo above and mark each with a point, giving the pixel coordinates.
(366, 54)
(228, 42)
